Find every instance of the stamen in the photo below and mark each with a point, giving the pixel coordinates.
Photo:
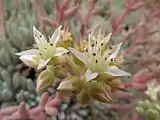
(94, 54)
(92, 45)
(102, 44)
(51, 44)
(40, 36)
(45, 48)
(112, 59)
(110, 47)
(96, 42)
(96, 61)
(105, 58)
(40, 54)
(86, 50)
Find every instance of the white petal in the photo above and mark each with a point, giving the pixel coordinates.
(89, 36)
(66, 85)
(28, 52)
(116, 51)
(90, 75)
(60, 51)
(79, 55)
(115, 71)
(91, 40)
(56, 35)
(28, 60)
(42, 63)
(38, 36)
(108, 37)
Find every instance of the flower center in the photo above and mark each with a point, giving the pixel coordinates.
(47, 50)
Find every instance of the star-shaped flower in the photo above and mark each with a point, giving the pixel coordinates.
(98, 57)
(46, 50)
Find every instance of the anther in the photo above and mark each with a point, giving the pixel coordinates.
(92, 45)
(40, 54)
(101, 44)
(94, 54)
(112, 59)
(96, 61)
(51, 44)
(110, 47)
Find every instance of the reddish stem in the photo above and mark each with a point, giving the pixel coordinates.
(122, 107)
(117, 23)
(45, 104)
(91, 8)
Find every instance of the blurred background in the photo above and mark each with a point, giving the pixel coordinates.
(137, 26)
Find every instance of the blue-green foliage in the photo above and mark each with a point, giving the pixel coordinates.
(118, 7)
(15, 87)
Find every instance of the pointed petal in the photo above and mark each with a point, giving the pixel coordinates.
(91, 41)
(56, 35)
(28, 60)
(38, 36)
(116, 51)
(66, 85)
(89, 36)
(28, 52)
(45, 79)
(42, 64)
(79, 55)
(60, 51)
(108, 37)
(90, 75)
(115, 71)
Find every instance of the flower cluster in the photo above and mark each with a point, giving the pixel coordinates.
(90, 73)
(150, 108)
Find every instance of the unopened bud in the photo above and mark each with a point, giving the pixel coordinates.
(140, 110)
(152, 114)
(148, 104)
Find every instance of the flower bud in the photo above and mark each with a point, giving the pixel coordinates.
(60, 72)
(45, 79)
(140, 110)
(152, 114)
(148, 104)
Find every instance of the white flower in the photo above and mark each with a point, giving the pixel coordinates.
(98, 56)
(45, 50)
(153, 89)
